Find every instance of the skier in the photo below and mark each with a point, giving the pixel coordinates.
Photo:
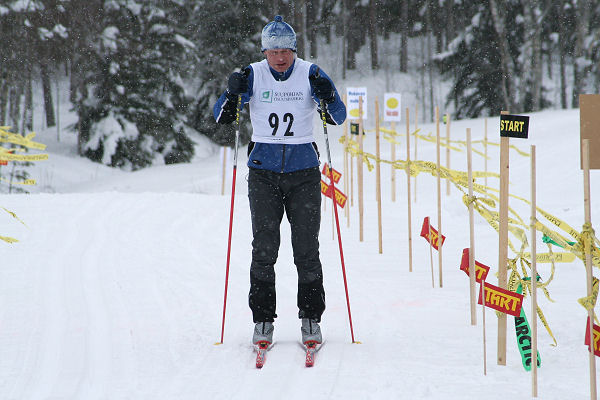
(283, 92)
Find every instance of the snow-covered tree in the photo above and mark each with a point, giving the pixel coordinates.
(484, 61)
(133, 111)
(228, 38)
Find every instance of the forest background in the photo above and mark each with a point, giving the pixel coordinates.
(142, 76)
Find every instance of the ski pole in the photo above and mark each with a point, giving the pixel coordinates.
(235, 153)
(337, 221)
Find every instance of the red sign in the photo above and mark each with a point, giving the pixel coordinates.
(596, 337)
(481, 270)
(5, 162)
(336, 175)
(502, 300)
(340, 198)
(426, 229)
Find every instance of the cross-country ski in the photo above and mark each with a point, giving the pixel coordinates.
(261, 353)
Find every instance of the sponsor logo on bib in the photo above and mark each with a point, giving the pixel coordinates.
(266, 96)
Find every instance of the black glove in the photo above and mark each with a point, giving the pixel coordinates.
(237, 84)
(322, 88)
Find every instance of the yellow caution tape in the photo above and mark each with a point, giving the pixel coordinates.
(586, 242)
(15, 138)
(30, 182)
(589, 302)
(8, 239)
(549, 257)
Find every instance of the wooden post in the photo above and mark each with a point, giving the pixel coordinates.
(503, 241)
(378, 175)
(482, 291)
(408, 191)
(223, 173)
(472, 271)
(439, 193)
(352, 179)
(448, 152)
(533, 278)
(393, 166)
(485, 147)
(588, 260)
(360, 170)
(332, 219)
(346, 170)
(416, 142)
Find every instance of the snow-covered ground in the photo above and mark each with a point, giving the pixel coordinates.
(115, 288)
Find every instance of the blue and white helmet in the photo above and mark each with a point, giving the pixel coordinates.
(278, 35)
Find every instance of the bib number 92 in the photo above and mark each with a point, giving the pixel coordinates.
(288, 118)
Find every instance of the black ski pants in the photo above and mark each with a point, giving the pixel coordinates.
(299, 195)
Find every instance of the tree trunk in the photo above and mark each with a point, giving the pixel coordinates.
(404, 39)
(450, 26)
(312, 26)
(579, 68)
(534, 60)
(429, 60)
(373, 33)
(16, 93)
(299, 26)
(562, 54)
(48, 104)
(507, 76)
(4, 84)
(27, 123)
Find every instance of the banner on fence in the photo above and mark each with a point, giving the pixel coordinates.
(502, 300)
(434, 240)
(336, 174)
(340, 198)
(481, 270)
(596, 338)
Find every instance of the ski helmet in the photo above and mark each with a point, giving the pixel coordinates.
(278, 35)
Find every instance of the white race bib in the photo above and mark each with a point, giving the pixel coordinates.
(282, 111)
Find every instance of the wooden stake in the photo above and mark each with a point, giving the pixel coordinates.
(332, 220)
(352, 179)
(483, 323)
(393, 167)
(439, 193)
(472, 271)
(503, 241)
(588, 260)
(416, 142)
(408, 191)
(448, 152)
(224, 167)
(360, 169)
(533, 279)
(378, 175)
(346, 170)
(485, 147)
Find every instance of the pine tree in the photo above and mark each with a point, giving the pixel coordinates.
(133, 115)
(228, 38)
(474, 62)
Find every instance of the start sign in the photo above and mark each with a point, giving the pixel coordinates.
(516, 126)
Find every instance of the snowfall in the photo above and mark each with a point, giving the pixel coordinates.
(115, 288)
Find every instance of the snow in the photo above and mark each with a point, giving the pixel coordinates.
(115, 288)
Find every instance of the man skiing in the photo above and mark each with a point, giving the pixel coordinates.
(283, 92)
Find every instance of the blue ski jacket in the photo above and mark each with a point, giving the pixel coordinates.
(276, 157)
